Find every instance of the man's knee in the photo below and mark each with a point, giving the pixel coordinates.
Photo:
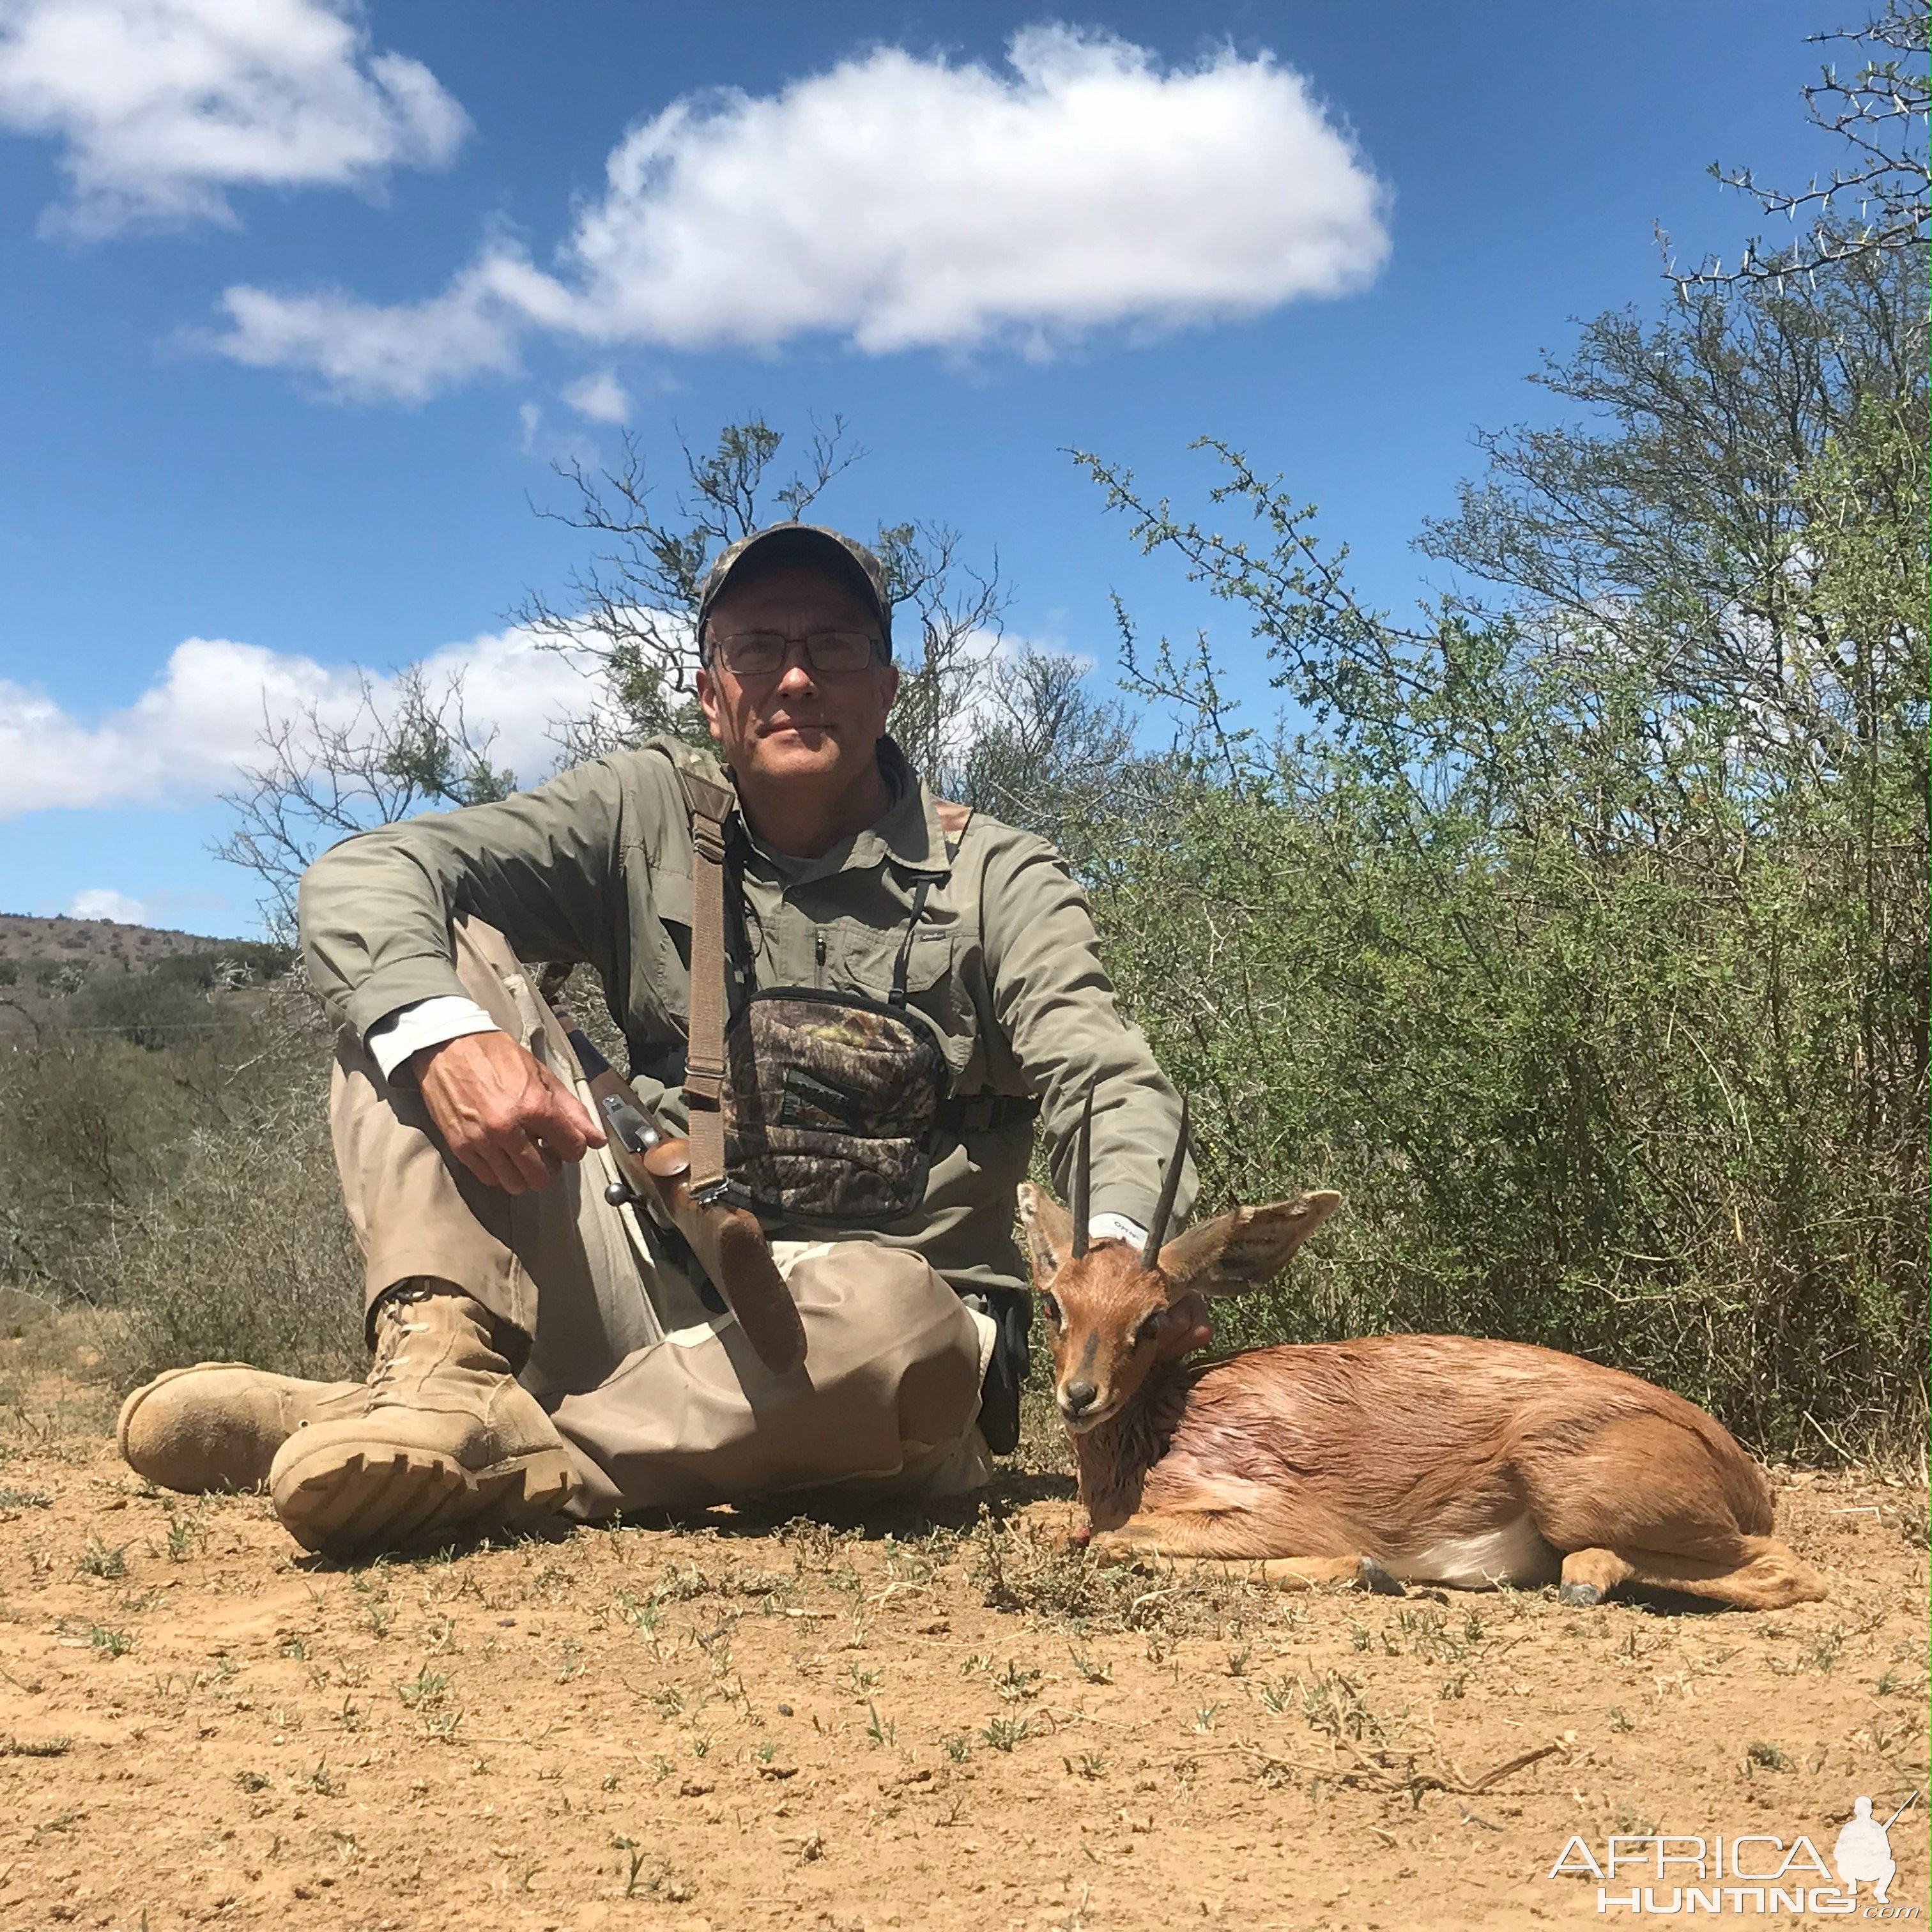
(882, 1313)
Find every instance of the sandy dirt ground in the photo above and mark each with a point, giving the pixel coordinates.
(917, 1723)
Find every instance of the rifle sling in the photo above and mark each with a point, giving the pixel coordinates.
(710, 805)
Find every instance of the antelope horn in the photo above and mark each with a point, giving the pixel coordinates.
(1170, 1186)
(1083, 1171)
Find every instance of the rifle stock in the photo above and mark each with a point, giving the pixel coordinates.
(727, 1243)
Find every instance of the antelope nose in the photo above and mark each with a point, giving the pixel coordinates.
(1077, 1397)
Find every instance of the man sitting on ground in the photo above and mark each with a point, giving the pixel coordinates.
(921, 981)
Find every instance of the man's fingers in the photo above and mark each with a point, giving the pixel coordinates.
(565, 1126)
(502, 1113)
(576, 1127)
(527, 1159)
(482, 1160)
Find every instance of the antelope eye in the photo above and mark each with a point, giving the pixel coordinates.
(1150, 1326)
(1051, 1308)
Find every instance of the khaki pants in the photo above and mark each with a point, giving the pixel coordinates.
(661, 1402)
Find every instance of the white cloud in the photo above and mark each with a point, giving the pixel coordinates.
(189, 736)
(104, 902)
(900, 203)
(602, 397)
(166, 105)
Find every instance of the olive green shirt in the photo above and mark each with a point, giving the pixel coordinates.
(595, 866)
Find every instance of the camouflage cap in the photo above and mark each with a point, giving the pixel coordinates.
(804, 543)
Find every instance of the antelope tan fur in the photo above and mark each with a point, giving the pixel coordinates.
(1396, 1458)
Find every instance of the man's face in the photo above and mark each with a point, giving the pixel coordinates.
(795, 723)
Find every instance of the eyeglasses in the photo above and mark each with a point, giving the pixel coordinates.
(759, 653)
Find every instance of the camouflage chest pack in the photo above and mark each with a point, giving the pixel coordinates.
(809, 1105)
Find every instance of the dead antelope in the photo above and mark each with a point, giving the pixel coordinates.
(1398, 1458)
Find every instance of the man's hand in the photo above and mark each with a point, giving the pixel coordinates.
(507, 1118)
(1188, 1326)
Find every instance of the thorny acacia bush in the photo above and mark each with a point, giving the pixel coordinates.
(1580, 937)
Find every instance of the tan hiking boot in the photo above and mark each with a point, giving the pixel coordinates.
(443, 1438)
(218, 1425)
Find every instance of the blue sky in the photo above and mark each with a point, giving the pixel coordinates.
(977, 249)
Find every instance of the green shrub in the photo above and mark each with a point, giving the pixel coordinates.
(245, 1255)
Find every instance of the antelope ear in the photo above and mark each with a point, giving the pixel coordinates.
(1049, 1232)
(1245, 1248)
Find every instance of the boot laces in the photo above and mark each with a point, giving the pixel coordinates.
(391, 1354)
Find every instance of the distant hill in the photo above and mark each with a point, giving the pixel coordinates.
(45, 963)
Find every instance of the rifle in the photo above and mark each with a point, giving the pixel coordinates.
(727, 1243)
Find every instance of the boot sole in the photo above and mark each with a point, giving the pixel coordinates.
(356, 1502)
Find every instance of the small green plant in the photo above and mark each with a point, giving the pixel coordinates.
(1766, 1757)
(1015, 1685)
(959, 1747)
(251, 1781)
(426, 1687)
(1204, 1717)
(881, 1731)
(322, 1780)
(97, 1559)
(1003, 1733)
(1333, 1703)
(1092, 1669)
(1620, 1718)
(1089, 1764)
(640, 1616)
(1823, 1654)
(113, 1642)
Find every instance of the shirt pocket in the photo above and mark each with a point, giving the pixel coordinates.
(661, 960)
(863, 959)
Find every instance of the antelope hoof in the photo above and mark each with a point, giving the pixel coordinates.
(1584, 1593)
(1115, 1545)
(1370, 1576)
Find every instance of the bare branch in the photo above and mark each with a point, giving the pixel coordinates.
(1876, 203)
